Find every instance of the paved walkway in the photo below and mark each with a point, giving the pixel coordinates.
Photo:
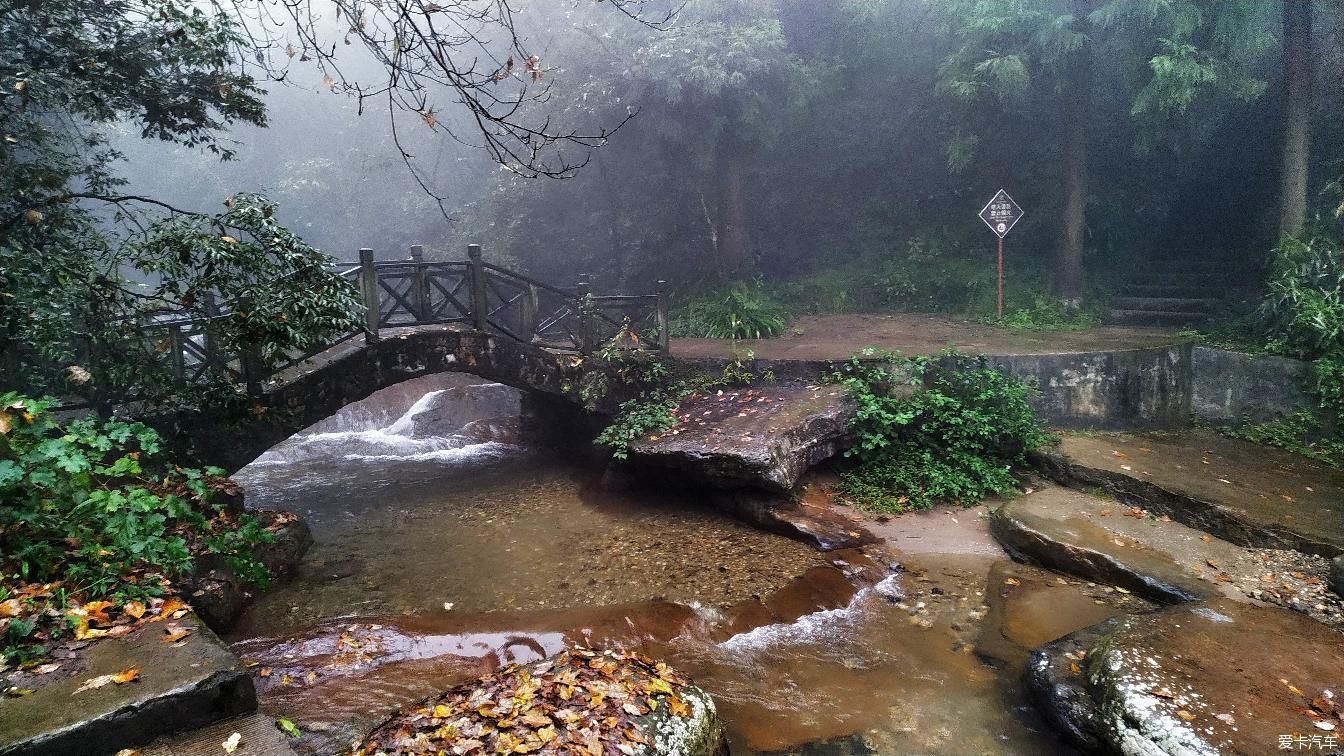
(833, 337)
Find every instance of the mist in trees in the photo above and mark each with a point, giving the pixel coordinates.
(833, 154)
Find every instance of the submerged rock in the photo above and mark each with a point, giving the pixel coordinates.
(1221, 677)
(580, 701)
(764, 437)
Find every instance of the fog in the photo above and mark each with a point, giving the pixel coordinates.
(838, 151)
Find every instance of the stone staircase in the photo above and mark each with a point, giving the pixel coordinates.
(1174, 292)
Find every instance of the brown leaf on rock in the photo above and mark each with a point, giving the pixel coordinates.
(174, 632)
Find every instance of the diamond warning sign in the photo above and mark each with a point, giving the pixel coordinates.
(1001, 214)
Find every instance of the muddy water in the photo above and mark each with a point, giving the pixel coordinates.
(443, 550)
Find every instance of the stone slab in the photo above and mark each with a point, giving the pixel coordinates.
(1155, 557)
(764, 437)
(259, 737)
(1217, 677)
(1241, 492)
(183, 685)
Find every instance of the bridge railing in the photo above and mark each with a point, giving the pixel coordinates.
(417, 292)
(490, 298)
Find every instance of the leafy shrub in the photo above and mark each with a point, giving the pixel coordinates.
(1300, 433)
(741, 312)
(1304, 307)
(952, 440)
(1047, 313)
(90, 503)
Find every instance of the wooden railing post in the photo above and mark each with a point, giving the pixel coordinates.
(368, 287)
(528, 319)
(209, 341)
(420, 284)
(177, 353)
(480, 316)
(585, 318)
(664, 339)
(249, 362)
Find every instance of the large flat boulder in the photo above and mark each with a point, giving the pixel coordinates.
(182, 685)
(1219, 677)
(1155, 557)
(1241, 492)
(763, 437)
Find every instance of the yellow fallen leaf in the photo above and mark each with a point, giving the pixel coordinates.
(175, 632)
(231, 744)
(135, 609)
(1184, 715)
(10, 607)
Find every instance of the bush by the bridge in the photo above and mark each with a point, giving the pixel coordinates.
(90, 509)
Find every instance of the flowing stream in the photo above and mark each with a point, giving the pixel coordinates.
(444, 548)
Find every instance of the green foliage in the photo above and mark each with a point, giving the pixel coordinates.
(742, 312)
(93, 503)
(953, 439)
(83, 267)
(1304, 307)
(1047, 313)
(1300, 433)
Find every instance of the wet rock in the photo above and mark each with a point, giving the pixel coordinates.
(1220, 677)
(763, 438)
(595, 701)
(181, 686)
(1155, 557)
(820, 525)
(1029, 607)
(219, 595)
(1098, 540)
(1337, 575)
(1241, 492)
(1054, 679)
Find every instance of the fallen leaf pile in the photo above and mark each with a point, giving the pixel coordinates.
(579, 702)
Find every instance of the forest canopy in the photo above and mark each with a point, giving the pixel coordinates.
(832, 155)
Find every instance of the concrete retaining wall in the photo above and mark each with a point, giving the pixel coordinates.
(1122, 390)
(1229, 387)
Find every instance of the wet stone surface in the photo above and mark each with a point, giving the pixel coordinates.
(1241, 492)
(1218, 677)
(1152, 555)
(764, 437)
(189, 683)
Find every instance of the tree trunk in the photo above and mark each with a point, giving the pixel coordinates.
(734, 229)
(1297, 76)
(1068, 278)
(619, 257)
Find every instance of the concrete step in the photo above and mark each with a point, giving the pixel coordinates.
(1166, 318)
(1151, 277)
(1165, 304)
(1174, 290)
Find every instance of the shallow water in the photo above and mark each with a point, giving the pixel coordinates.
(446, 551)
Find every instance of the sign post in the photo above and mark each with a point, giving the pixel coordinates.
(1001, 214)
